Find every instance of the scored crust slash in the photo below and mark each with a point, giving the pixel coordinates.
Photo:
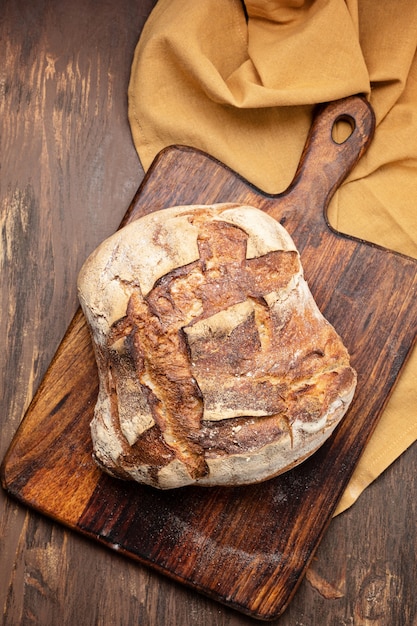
(216, 366)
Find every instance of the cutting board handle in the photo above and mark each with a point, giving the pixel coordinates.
(325, 162)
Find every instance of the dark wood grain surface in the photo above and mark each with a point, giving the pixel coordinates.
(68, 173)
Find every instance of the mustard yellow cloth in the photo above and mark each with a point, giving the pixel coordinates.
(239, 80)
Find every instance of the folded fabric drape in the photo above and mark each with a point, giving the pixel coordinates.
(239, 81)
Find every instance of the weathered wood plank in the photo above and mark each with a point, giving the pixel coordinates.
(58, 198)
(68, 173)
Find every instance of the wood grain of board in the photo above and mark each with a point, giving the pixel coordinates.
(211, 539)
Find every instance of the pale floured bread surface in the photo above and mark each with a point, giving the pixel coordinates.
(215, 364)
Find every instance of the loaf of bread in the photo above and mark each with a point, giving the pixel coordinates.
(215, 364)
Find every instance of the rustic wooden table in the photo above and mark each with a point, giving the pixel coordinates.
(68, 171)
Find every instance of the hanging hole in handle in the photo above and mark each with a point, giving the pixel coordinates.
(343, 128)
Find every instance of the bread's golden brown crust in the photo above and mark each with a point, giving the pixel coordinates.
(219, 370)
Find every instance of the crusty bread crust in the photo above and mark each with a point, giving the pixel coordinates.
(215, 365)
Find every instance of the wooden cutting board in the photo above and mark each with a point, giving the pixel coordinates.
(246, 547)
